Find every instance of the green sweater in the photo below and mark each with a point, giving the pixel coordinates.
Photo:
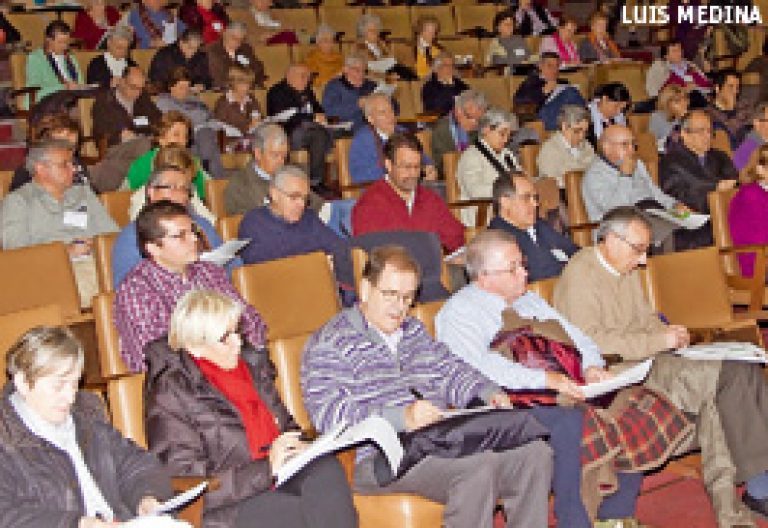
(141, 168)
(40, 73)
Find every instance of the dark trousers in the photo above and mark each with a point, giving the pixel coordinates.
(317, 497)
(316, 139)
(565, 425)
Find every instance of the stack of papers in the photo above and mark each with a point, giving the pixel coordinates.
(687, 221)
(630, 376)
(724, 351)
(382, 65)
(225, 252)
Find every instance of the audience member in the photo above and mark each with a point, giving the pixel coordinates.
(232, 49)
(567, 149)
(598, 46)
(153, 24)
(370, 44)
(401, 364)
(545, 251)
(691, 169)
(672, 68)
(756, 138)
(237, 107)
(209, 17)
(440, 89)
(51, 208)
(728, 111)
(342, 96)
(748, 211)
(562, 42)
(213, 410)
(306, 126)
(664, 123)
(264, 29)
(486, 159)
(398, 202)
(145, 299)
(533, 19)
(600, 291)
(63, 463)
(427, 28)
(506, 48)
(324, 60)
(107, 69)
(457, 130)
(52, 67)
(184, 52)
(94, 22)
(607, 108)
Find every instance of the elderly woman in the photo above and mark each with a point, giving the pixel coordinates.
(93, 22)
(442, 87)
(370, 44)
(207, 16)
(598, 46)
(237, 107)
(748, 212)
(563, 43)
(212, 409)
(107, 69)
(53, 67)
(487, 159)
(506, 48)
(61, 463)
(534, 19)
(671, 106)
(324, 60)
(427, 48)
(567, 149)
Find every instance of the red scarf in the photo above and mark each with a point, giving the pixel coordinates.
(567, 51)
(237, 387)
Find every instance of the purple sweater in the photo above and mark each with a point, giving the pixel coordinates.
(748, 220)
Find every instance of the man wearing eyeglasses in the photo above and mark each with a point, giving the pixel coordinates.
(600, 291)
(458, 130)
(567, 149)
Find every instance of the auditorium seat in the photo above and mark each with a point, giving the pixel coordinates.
(110, 361)
(496, 90)
(578, 222)
(276, 59)
(396, 20)
(5, 182)
(14, 324)
(102, 254)
(214, 196)
(443, 13)
(117, 204)
(469, 17)
(228, 226)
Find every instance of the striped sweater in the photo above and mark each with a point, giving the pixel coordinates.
(348, 373)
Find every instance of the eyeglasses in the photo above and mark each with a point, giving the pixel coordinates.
(394, 296)
(295, 196)
(528, 197)
(522, 264)
(578, 130)
(640, 249)
(176, 188)
(184, 234)
(61, 164)
(703, 130)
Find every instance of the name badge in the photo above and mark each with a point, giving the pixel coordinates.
(688, 78)
(242, 59)
(141, 121)
(559, 254)
(217, 27)
(77, 219)
(519, 52)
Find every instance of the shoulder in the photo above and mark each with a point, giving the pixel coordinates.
(579, 264)
(597, 170)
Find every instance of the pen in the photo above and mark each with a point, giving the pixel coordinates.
(416, 394)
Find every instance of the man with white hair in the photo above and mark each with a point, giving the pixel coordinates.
(457, 130)
(232, 49)
(567, 149)
(343, 94)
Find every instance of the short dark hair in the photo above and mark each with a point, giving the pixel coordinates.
(501, 16)
(615, 91)
(401, 140)
(504, 185)
(665, 47)
(191, 33)
(148, 227)
(56, 26)
(396, 256)
(178, 74)
(42, 129)
(549, 55)
(720, 77)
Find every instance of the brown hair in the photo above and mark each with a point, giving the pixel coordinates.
(761, 159)
(148, 227)
(668, 94)
(41, 350)
(238, 74)
(423, 20)
(168, 119)
(567, 19)
(178, 74)
(50, 123)
(175, 157)
(390, 255)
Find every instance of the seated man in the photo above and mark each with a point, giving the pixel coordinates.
(728, 110)
(398, 202)
(305, 127)
(567, 149)
(545, 93)
(457, 130)
(51, 208)
(145, 300)
(374, 359)
(165, 183)
(52, 67)
(600, 291)
(286, 227)
(690, 169)
(184, 52)
(756, 138)
(342, 95)
(232, 49)
(514, 203)
(442, 87)
(366, 153)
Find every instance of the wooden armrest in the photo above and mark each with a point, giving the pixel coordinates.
(184, 483)
(584, 227)
(27, 90)
(83, 318)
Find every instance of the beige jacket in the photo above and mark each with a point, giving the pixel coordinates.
(555, 158)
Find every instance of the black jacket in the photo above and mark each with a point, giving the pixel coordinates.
(438, 97)
(98, 71)
(283, 96)
(170, 57)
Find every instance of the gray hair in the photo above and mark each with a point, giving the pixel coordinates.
(236, 26)
(285, 172)
(571, 114)
(121, 31)
(366, 20)
(369, 100)
(480, 247)
(471, 96)
(494, 117)
(617, 221)
(40, 152)
(354, 58)
(324, 29)
(438, 61)
(268, 133)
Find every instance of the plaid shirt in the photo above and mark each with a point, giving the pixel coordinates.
(148, 294)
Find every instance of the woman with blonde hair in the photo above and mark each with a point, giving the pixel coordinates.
(325, 60)
(598, 46)
(671, 106)
(748, 212)
(237, 107)
(212, 409)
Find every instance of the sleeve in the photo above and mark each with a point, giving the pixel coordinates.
(339, 249)
(548, 161)
(660, 196)
(473, 178)
(529, 92)
(676, 181)
(363, 163)
(138, 321)
(249, 228)
(449, 229)
(587, 51)
(125, 256)
(14, 222)
(37, 75)
(333, 101)
(748, 217)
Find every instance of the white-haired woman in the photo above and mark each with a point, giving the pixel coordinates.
(212, 409)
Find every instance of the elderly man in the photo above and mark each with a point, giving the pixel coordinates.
(342, 95)
(286, 227)
(398, 202)
(107, 69)
(690, 169)
(144, 301)
(184, 52)
(366, 153)
(153, 24)
(51, 209)
(600, 291)
(376, 359)
(305, 127)
(442, 87)
(456, 131)
(514, 204)
(756, 138)
(567, 149)
(469, 324)
(231, 49)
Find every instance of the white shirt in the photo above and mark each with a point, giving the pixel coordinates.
(116, 66)
(265, 20)
(598, 118)
(574, 151)
(610, 269)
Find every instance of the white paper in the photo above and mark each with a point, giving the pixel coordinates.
(169, 32)
(519, 52)
(559, 254)
(243, 60)
(374, 428)
(141, 121)
(630, 376)
(181, 499)
(343, 125)
(386, 89)
(155, 521)
(731, 351)
(225, 252)
(215, 124)
(77, 219)
(690, 221)
(382, 65)
(457, 257)
(283, 116)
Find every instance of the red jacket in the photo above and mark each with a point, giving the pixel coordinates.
(380, 208)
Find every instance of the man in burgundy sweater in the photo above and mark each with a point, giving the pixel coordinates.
(398, 203)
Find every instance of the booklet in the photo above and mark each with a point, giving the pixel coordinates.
(457, 257)
(374, 428)
(225, 252)
(386, 89)
(282, 117)
(382, 65)
(730, 351)
(687, 220)
(630, 376)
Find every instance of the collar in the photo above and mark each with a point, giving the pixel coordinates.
(382, 135)
(411, 199)
(423, 45)
(573, 150)
(261, 173)
(604, 263)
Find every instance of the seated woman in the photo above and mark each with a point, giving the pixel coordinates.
(237, 107)
(672, 68)
(534, 19)
(207, 16)
(324, 60)
(671, 106)
(441, 88)
(212, 409)
(107, 69)
(563, 43)
(427, 47)
(61, 462)
(607, 108)
(748, 212)
(93, 22)
(268, 30)
(370, 44)
(598, 46)
(53, 68)
(506, 48)
(487, 159)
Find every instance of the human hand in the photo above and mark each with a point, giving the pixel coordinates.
(285, 446)
(93, 522)
(725, 185)
(681, 209)
(421, 413)
(156, 43)
(430, 173)
(563, 385)
(501, 399)
(147, 506)
(79, 248)
(677, 336)
(595, 374)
